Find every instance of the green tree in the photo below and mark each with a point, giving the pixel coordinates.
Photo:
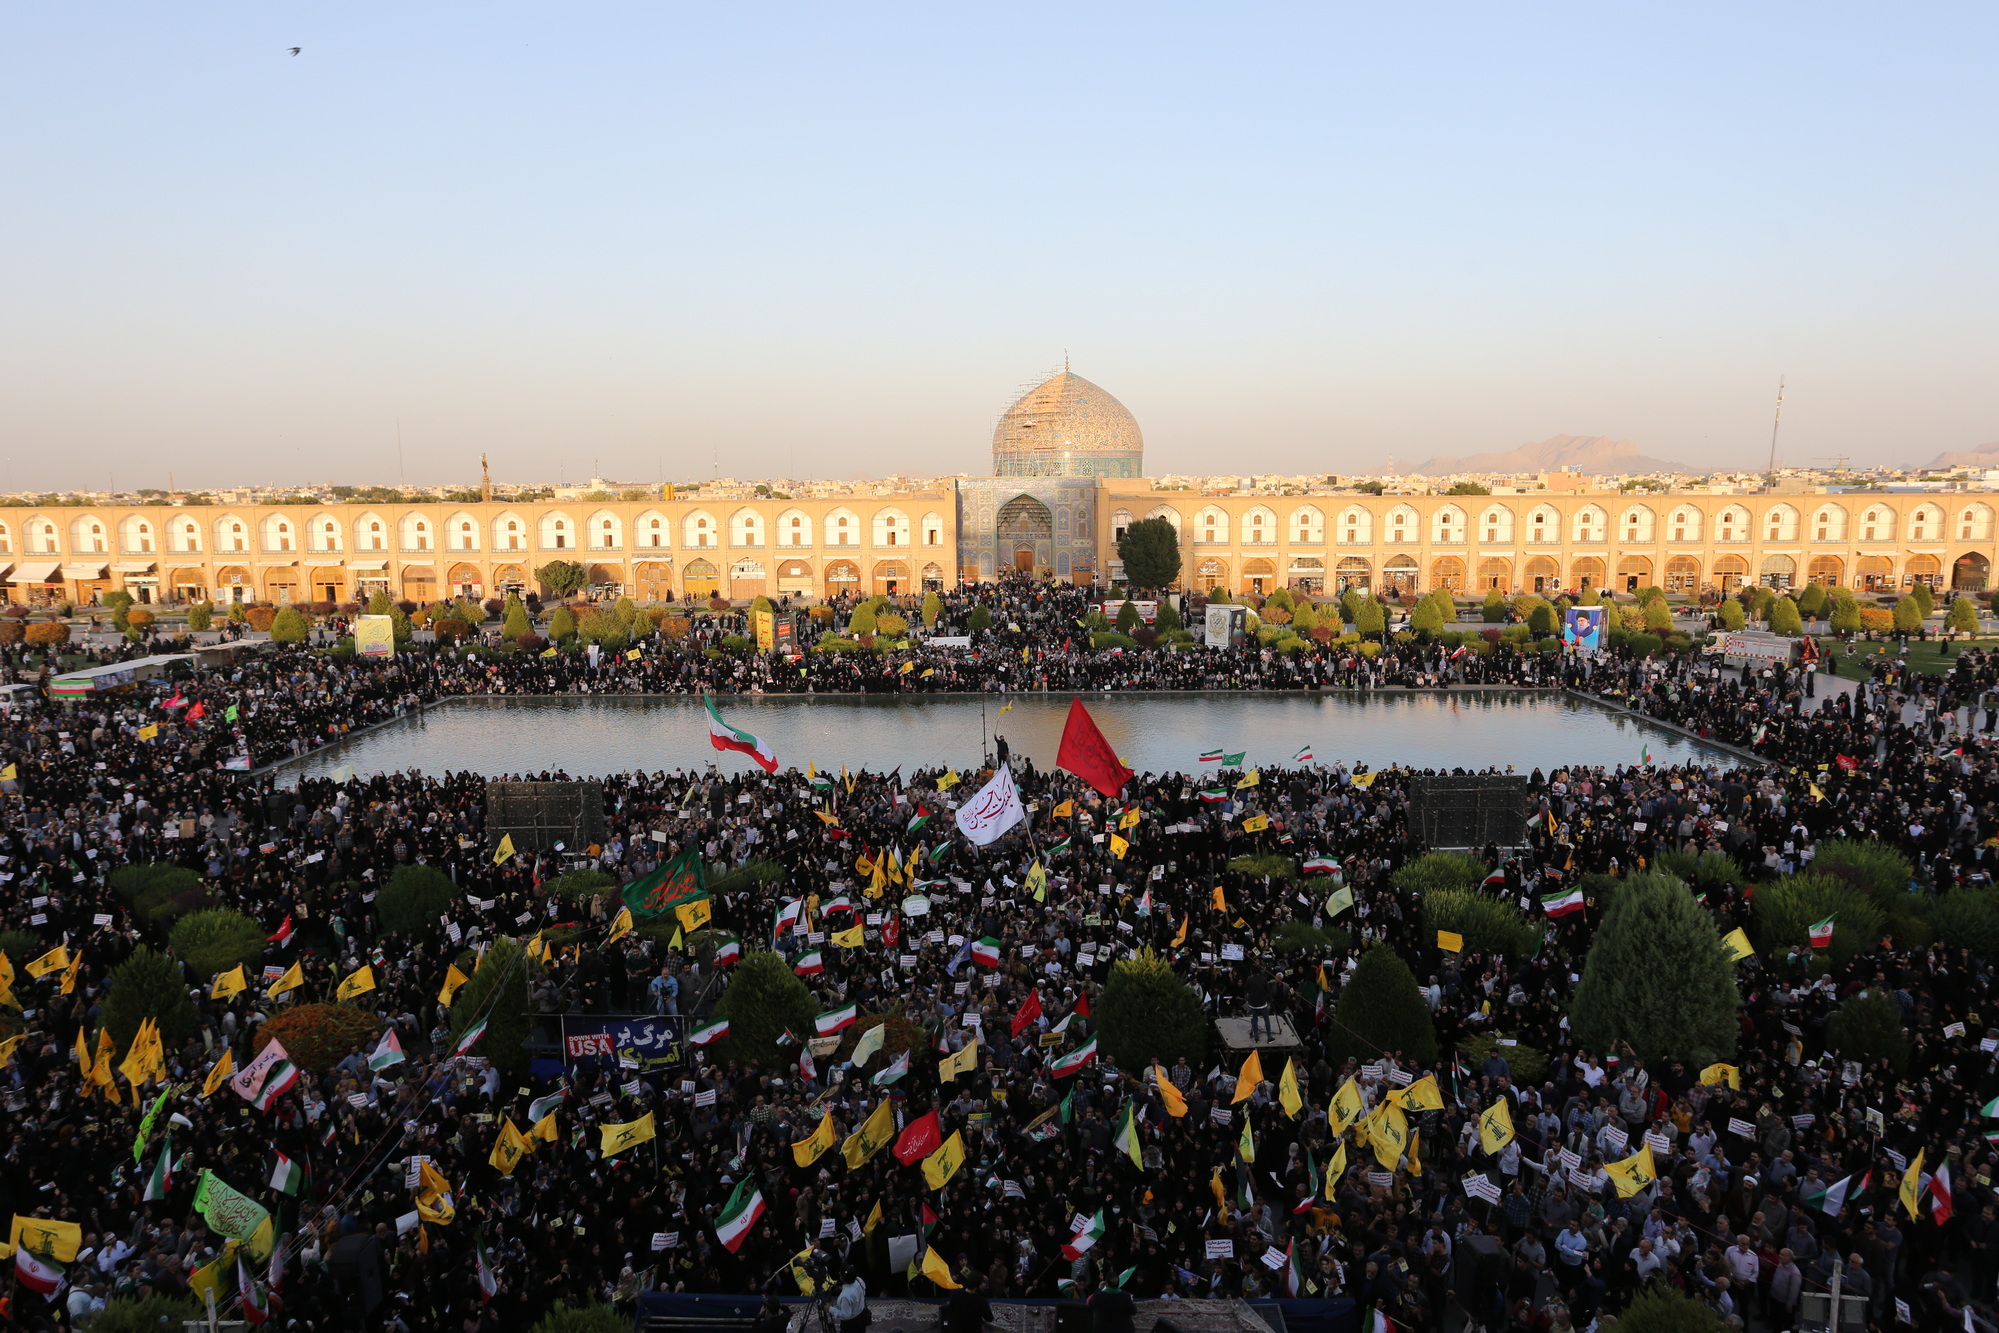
(517, 624)
(1760, 602)
(1875, 868)
(1811, 601)
(1591, 597)
(1488, 924)
(763, 1000)
(148, 984)
(1368, 618)
(1868, 1027)
(1426, 619)
(566, 1318)
(1381, 1010)
(1658, 617)
(562, 625)
(1908, 614)
(1543, 620)
(1786, 909)
(147, 1314)
(289, 626)
(981, 620)
(1969, 919)
(497, 991)
(1494, 609)
(200, 615)
(1659, 1308)
(413, 900)
(1845, 616)
(1127, 616)
(1167, 618)
(1658, 978)
(239, 613)
(1467, 488)
(1148, 1012)
(1963, 616)
(933, 606)
(562, 578)
(1924, 597)
(1434, 871)
(1150, 550)
(214, 940)
(862, 621)
(1784, 618)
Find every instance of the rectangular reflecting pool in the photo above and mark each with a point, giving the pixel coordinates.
(587, 736)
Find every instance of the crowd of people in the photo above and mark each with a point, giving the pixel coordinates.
(1172, 1179)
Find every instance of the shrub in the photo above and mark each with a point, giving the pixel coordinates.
(1660, 1308)
(10, 633)
(261, 617)
(147, 1314)
(1846, 616)
(1907, 617)
(1868, 1027)
(981, 619)
(413, 900)
(675, 628)
(1874, 620)
(1658, 617)
(200, 616)
(451, 629)
(1148, 1012)
(1963, 616)
(1733, 617)
(139, 617)
(763, 999)
(1969, 919)
(581, 885)
(564, 1318)
(1874, 868)
(1264, 865)
(933, 607)
(289, 626)
(562, 625)
(891, 624)
(1657, 977)
(1925, 599)
(1488, 924)
(530, 643)
(1380, 1009)
(1528, 1062)
(215, 940)
(1811, 601)
(1301, 936)
(1108, 639)
(154, 888)
(862, 621)
(1433, 871)
(148, 985)
(1786, 910)
(319, 1036)
(47, 634)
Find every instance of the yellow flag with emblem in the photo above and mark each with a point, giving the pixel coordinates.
(617, 1138)
(934, 1266)
(221, 1070)
(1422, 1095)
(1720, 1073)
(874, 1134)
(1249, 779)
(206, 1280)
(1346, 1108)
(1129, 819)
(1911, 1191)
(1119, 846)
(1388, 1134)
(293, 978)
(1037, 882)
(55, 960)
(505, 851)
(1334, 1170)
(509, 1148)
(360, 982)
(69, 973)
(1063, 811)
(1245, 1144)
(813, 1146)
(1632, 1174)
(694, 915)
(1363, 779)
(1247, 1080)
(1176, 1104)
(1287, 1091)
(621, 925)
(46, 1238)
(226, 984)
(1495, 1126)
(940, 1166)
(1737, 945)
(964, 1061)
(1256, 824)
(453, 979)
(853, 937)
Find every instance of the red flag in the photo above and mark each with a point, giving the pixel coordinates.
(919, 1138)
(891, 931)
(1846, 762)
(1088, 755)
(198, 712)
(1030, 1010)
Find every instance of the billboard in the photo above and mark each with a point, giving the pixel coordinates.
(1582, 627)
(1223, 627)
(655, 1041)
(374, 636)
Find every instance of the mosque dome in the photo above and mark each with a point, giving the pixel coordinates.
(1068, 427)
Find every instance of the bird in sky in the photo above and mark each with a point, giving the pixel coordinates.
(296, 49)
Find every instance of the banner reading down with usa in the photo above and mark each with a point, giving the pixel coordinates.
(653, 1041)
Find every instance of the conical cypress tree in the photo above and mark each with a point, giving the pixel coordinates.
(1380, 1010)
(1657, 977)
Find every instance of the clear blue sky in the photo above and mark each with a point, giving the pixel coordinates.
(829, 240)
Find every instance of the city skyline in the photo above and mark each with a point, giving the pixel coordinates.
(658, 245)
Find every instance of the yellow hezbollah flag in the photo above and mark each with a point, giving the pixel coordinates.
(1912, 1179)
(1246, 1082)
(55, 960)
(208, 1278)
(1422, 1095)
(617, 1138)
(1219, 903)
(509, 1148)
(621, 925)
(1717, 1073)
(453, 979)
(290, 981)
(1063, 811)
(360, 983)
(1176, 1104)
(149, 731)
(1495, 1126)
(1245, 1145)
(69, 973)
(1737, 945)
(1450, 941)
(1119, 846)
(1363, 779)
(1633, 1173)
(1334, 1170)
(1249, 779)
(940, 1166)
(1287, 1091)
(1129, 819)
(222, 1070)
(543, 1131)
(1180, 936)
(226, 984)
(1388, 1135)
(50, 1240)
(1037, 882)
(873, 1135)
(937, 1270)
(1256, 824)
(850, 938)
(1346, 1107)
(963, 1061)
(694, 915)
(505, 851)
(813, 1146)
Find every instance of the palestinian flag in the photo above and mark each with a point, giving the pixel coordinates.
(729, 951)
(489, 1281)
(1991, 1109)
(836, 1020)
(1061, 846)
(725, 737)
(541, 1106)
(37, 1274)
(1211, 756)
(1833, 1197)
(1559, 905)
(733, 1224)
(470, 1039)
(1304, 756)
(1215, 795)
(892, 1072)
(921, 818)
(1075, 1060)
(288, 1177)
(809, 964)
(986, 952)
(256, 1303)
(1821, 933)
(1079, 1244)
(714, 1031)
(1320, 865)
(387, 1052)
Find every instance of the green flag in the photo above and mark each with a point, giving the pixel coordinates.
(681, 880)
(146, 1125)
(237, 1216)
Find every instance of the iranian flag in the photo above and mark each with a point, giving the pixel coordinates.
(729, 952)
(1940, 1198)
(986, 952)
(1075, 1060)
(160, 1179)
(836, 1020)
(277, 1082)
(1559, 905)
(256, 1304)
(470, 1039)
(1381, 1323)
(713, 1032)
(1821, 933)
(489, 1281)
(739, 1215)
(809, 964)
(287, 1176)
(1320, 865)
(787, 915)
(1215, 795)
(1304, 756)
(43, 1276)
(1294, 1273)
(1211, 756)
(1086, 1236)
(387, 1052)
(725, 737)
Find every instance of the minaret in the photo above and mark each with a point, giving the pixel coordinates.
(485, 480)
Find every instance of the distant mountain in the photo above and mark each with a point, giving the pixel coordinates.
(1985, 455)
(1594, 454)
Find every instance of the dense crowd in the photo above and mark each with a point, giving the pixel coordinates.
(1740, 1220)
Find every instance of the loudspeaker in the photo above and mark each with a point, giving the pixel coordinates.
(537, 815)
(1468, 810)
